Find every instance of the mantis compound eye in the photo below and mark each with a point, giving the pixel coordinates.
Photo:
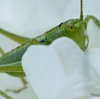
(71, 27)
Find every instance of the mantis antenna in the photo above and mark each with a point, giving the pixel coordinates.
(81, 10)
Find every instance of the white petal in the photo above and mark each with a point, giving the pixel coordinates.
(70, 53)
(72, 58)
(72, 85)
(92, 70)
(44, 71)
(93, 56)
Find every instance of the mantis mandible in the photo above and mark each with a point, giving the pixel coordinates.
(74, 29)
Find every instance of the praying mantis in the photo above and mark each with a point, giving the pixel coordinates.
(74, 29)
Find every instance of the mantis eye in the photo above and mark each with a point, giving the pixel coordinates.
(71, 27)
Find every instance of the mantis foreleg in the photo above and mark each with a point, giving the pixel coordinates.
(14, 37)
(24, 87)
(95, 20)
(89, 17)
(5, 95)
(1, 51)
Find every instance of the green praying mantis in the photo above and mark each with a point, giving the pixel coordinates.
(74, 29)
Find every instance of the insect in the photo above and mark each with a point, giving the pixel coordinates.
(75, 29)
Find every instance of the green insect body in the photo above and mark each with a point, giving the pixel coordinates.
(72, 28)
(11, 62)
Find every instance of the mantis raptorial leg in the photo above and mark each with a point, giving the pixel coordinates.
(95, 20)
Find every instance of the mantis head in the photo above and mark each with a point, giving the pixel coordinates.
(76, 30)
